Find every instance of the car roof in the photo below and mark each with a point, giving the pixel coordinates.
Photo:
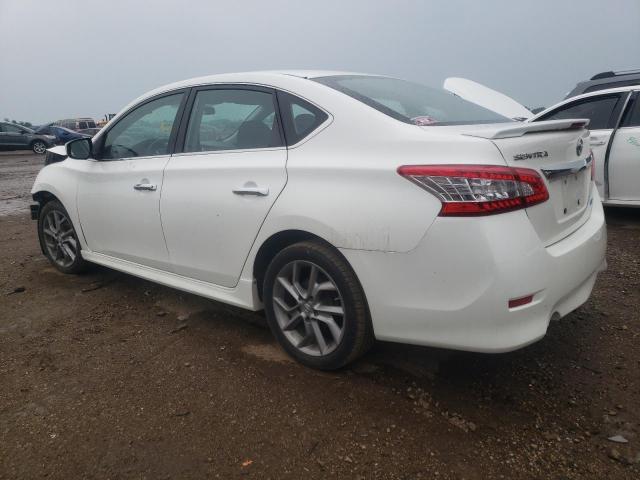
(273, 78)
(282, 79)
(626, 78)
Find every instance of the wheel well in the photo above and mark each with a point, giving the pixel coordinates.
(44, 197)
(272, 246)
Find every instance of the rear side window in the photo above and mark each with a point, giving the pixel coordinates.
(599, 110)
(299, 117)
(411, 102)
(232, 119)
(632, 117)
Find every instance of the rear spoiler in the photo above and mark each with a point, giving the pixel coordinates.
(520, 129)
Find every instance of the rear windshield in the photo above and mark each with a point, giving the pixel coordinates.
(411, 102)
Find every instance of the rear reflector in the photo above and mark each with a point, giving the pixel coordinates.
(518, 302)
(473, 190)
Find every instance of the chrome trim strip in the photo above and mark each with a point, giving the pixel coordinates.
(568, 168)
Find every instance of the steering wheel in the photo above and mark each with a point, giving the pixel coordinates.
(135, 154)
(157, 146)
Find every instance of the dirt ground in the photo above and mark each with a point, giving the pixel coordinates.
(107, 376)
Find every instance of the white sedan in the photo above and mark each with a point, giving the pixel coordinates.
(350, 207)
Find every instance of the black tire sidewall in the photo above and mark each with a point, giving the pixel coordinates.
(352, 297)
(78, 264)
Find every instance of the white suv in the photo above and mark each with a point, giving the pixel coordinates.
(350, 207)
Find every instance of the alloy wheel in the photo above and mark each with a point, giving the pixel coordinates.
(309, 308)
(59, 238)
(39, 148)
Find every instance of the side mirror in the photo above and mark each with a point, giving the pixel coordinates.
(79, 149)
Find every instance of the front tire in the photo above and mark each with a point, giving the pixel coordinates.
(316, 307)
(39, 147)
(58, 238)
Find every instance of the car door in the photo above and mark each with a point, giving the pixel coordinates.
(119, 191)
(603, 112)
(624, 156)
(218, 190)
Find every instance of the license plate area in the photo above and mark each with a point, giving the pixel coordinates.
(572, 192)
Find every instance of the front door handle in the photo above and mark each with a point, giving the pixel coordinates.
(145, 187)
(595, 142)
(258, 191)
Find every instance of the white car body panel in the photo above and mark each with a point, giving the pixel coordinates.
(487, 98)
(428, 280)
(128, 225)
(203, 185)
(624, 166)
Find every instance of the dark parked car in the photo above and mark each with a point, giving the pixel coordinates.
(17, 137)
(62, 134)
(605, 80)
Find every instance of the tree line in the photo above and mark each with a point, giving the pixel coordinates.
(24, 124)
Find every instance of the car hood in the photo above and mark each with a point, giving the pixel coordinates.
(486, 97)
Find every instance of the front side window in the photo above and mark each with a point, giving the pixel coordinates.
(8, 127)
(599, 110)
(411, 102)
(632, 117)
(299, 117)
(144, 131)
(232, 119)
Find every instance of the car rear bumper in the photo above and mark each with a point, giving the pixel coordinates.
(453, 289)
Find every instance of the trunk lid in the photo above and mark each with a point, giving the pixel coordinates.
(552, 149)
(486, 97)
(559, 151)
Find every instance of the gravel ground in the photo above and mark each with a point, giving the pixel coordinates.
(108, 376)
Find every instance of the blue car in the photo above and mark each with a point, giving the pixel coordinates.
(62, 134)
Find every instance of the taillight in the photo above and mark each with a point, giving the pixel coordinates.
(472, 190)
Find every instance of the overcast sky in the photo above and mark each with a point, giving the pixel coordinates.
(68, 58)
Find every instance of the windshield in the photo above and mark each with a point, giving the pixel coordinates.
(411, 102)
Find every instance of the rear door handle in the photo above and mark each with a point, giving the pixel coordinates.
(145, 186)
(596, 142)
(258, 191)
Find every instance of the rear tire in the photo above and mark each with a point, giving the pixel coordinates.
(39, 147)
(59, 240)
(316, 307)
